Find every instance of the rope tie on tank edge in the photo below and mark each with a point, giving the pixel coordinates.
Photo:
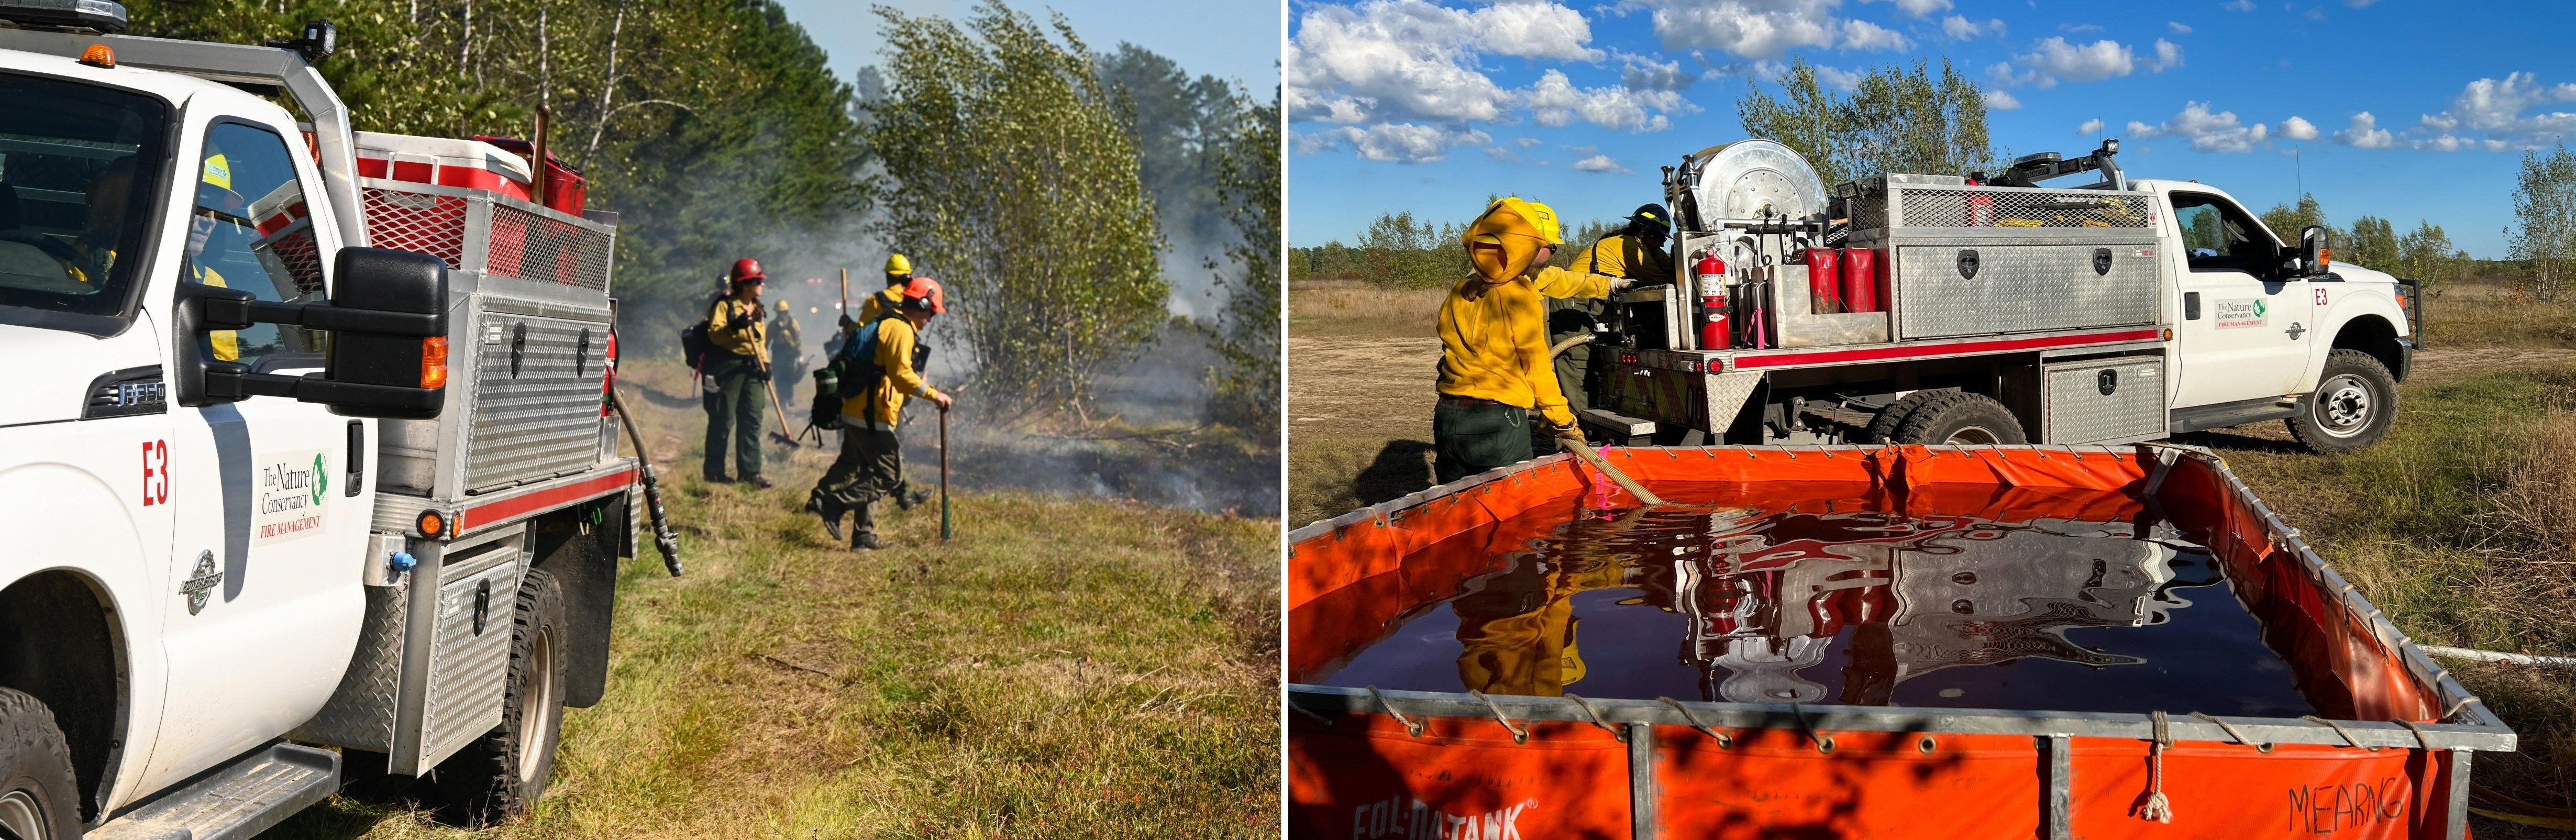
(1411, 727)
(1614, 731)
(1520, 735)
(1723, 740)
(2339, 730)
(2154, 805)
(2457, 705)
(1318, 716)
(1823, 744)
(2231, 731)
(2422, 740)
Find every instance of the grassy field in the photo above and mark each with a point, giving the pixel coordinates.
(2461, 525)
(1063, 668)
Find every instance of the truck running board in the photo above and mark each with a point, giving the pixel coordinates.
(2222, 415)
(237, 801)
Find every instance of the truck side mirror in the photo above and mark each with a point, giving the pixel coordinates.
(388, 355)
(2315, 257)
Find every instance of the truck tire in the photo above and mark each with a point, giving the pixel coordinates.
(2353, 406)
(1958, 417)
(38, 799)
(1882, 428)
(502, 774)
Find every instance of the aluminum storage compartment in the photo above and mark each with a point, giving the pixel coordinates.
(429, 668)
(1997, 260)
(528, 337)
(2116, 400)
(469, 660)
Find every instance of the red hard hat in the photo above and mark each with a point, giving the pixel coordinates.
(747, 269)
(927, 292)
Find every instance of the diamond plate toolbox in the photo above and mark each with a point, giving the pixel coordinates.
(1953, 289)
(2114, 400)
(469, 660)
(535, 411)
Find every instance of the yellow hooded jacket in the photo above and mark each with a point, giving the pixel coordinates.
(880, 408)
(738, 328)
(878, 304)
(1493, 326)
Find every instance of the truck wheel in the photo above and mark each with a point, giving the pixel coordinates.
(37, 796)
(503, 773)
(1957, 417)
(1882, 428)
(2354, 404)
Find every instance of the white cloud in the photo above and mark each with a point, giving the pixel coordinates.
(1409, 59)
(2178, 27)
(2079, 27)
(1640, 72)
(2168, 56)
(2208, 132)
(2365, 133)
(1394, 142)
(1600, 163)
(2497, 108)
(2089, 126)
(2001, 100)
(2298, 128)
(1918, 8)
(1838, 78)
(1757, 29)
(2239, 6)
(1502, 155)
(1526, 142)
(1965, 29)
(2359, 3)
(2053, 59)
(1863, 35)
(1555, 102)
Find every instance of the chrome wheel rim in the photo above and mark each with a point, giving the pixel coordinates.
(1973, 436)
(2344, 406)
(537, 708)
(18, 811)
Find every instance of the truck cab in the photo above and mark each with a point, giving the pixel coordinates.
(221, 458)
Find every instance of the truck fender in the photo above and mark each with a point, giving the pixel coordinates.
(2360, 316)
(63, 633)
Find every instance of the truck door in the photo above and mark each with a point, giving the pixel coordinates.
(2245, 330)
(270, 525)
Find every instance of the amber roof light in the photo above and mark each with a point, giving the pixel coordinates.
(98, 55)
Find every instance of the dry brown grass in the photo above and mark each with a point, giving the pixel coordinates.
(1353, 309)
(2476, 314)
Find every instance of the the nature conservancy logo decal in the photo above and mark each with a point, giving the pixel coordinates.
(290, 490)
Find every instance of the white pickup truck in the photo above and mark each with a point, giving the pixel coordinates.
(276, 505)
(1986, 309)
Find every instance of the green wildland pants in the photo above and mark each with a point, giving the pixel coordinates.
(1473, 439)
(870, 468)
(735, 400)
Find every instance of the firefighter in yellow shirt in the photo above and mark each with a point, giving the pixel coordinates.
(737, 373)
(882, 364)
(217, 205)
(1632, 255)
(1494, 367)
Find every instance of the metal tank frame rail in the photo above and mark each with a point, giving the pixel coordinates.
(2467, 727)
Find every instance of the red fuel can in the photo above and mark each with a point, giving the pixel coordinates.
(1824, 281)
(1860, 280)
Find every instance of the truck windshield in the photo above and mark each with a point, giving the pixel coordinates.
(77, 166)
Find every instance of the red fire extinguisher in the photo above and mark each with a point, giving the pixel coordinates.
(1711, 274)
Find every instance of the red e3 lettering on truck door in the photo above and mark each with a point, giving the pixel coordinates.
(156, 472)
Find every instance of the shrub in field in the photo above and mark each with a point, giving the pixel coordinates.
(1015, 180)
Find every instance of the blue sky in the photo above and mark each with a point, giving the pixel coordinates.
(1231, 39)
(2399, 109)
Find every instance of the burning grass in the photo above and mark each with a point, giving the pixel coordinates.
(1064, 668)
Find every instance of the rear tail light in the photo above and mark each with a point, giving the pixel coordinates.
(433, 362)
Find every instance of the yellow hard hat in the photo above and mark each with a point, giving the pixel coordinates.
(898, 264)
(215, 189)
